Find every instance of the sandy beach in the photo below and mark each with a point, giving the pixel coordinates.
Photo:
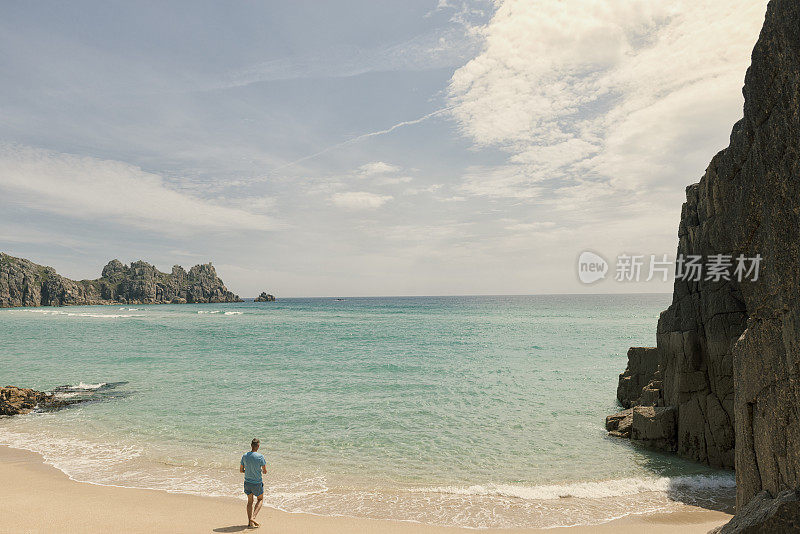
(36, 497)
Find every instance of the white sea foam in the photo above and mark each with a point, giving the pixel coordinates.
(233, 313)
(85, 314)
(206, 311)
(70, 455)
(79, 390)
(592, 490)
(115, 463)
(68, 394)
(81, 385)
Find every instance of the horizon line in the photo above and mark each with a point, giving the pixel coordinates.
(463, 295)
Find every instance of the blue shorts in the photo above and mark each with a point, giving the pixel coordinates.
(255, 489)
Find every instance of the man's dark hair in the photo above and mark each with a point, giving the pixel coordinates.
(254, 443)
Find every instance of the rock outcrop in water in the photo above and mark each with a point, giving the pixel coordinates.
(729, 351)
(642, 365)
(15, 401)
(24, 283)
(265, 297)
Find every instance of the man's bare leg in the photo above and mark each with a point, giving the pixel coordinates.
(259, 502)
(250, 510)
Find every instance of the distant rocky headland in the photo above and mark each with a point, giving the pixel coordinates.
(723, 385)
(24, 283)
(265, 297)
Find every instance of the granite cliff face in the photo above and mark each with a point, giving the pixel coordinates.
(729, 351)
(24, 283)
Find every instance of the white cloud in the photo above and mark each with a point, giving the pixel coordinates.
(381, 173)
(509, 181)
(112, 191)
(259, 204)
(377, 167)
(419, 190)
(358, 200)
(531, 227)
(636, 94)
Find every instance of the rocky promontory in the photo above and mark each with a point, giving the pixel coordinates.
(264, 297)
(726, 390)
(24, 283)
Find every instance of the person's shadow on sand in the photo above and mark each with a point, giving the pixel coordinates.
(235, 528)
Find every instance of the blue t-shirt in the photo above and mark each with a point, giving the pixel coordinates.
(252, 462)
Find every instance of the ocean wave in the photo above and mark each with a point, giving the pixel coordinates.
(68, 394)
(118, 462)
(70, 455)
(81, 385)
(123, 464)
(233, 313)
(86, 314)
(98, 391)
(592, 490)
(207, 311)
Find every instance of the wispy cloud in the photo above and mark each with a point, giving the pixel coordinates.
(362, 137)
(359, 200)
(115, 192)
(377, 167)
(450, 45)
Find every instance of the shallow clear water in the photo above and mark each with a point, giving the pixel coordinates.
(473, 411)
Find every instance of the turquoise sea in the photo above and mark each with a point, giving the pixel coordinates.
(471, 411)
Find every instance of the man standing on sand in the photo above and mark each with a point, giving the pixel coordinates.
(252, 465)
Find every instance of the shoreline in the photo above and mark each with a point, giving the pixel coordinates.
(40, 498)
(119, 303)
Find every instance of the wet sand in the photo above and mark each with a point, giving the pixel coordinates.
(35, 497)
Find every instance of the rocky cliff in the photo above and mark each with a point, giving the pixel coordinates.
(729, 351)
(24, 283)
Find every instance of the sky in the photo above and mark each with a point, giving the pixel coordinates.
(363, 148)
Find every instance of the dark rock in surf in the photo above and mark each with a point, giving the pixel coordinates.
(642, 364)
(16, 401)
